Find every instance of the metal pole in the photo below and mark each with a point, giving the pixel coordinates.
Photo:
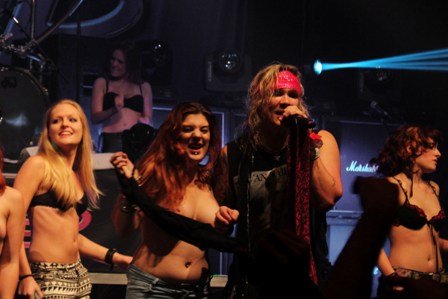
(32, 29)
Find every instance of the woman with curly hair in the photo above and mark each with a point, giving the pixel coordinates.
(407, 158)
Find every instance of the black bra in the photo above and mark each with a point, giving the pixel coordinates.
(413, 217)
(134, 103)
(49, 199)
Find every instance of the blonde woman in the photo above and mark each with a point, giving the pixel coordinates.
(58, 185)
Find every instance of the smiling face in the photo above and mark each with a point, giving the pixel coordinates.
(195, 136)
(118, 64)
(65, 128)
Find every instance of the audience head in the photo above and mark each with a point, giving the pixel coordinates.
(264, 87)
(403, 147)
(126, 62)
(170, 152)
(169, 136)
(45, 142)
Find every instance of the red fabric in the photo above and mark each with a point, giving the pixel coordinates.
(286, 79)
(299, 163)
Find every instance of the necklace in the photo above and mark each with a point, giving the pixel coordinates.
(276, 154)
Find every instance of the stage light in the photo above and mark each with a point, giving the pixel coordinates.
(436, 60)
(317, 67)
(227, 70)
(229, 61)
(157, 59)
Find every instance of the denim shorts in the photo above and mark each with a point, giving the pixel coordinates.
(142, 285)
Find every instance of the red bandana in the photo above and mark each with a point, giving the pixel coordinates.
(286, 79)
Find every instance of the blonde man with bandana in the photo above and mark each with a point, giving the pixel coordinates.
(283, 177)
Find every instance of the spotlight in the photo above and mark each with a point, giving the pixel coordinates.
(227, 70)
(157, 62)
(228, 62)
(317, 67)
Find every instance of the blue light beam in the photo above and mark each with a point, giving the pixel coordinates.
(422, 61)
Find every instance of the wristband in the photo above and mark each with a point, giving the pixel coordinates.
(109, 257)
(315, 153)
(138, 178)
(24, 276)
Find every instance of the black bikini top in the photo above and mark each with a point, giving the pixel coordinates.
(49, 199)
(413, 217)
(134, 103)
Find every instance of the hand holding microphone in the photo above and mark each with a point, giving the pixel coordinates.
(291, 121)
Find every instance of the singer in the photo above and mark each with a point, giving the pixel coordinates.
(283, 181)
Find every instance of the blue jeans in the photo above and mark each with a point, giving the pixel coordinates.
(142, 285)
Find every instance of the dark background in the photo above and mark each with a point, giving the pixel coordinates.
(190, 31)
(296, 32)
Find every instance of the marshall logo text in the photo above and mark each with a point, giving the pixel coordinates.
(355, 167)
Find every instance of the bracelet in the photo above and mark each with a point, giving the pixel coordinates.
(315, 154)
(109, 256)
(393, 274)
(24, 276)
(137, 178)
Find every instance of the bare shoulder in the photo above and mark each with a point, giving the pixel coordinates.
(392, 180)
(12, 194)
(35, 161)
(34, 164)
(146, 86)
(435, 186)
(326, 135)
(13, 199)
(100, 81)
(329, 142)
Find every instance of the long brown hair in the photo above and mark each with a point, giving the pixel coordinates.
(164, 166)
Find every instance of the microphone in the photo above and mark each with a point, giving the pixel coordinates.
(298, 121)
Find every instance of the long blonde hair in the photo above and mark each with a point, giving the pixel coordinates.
(259, 93)
(57, 174)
